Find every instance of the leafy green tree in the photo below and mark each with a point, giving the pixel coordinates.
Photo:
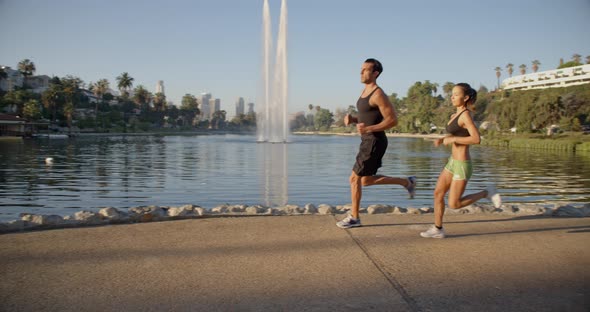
(534, 110)
(189, 102)
(218, 119)
(352, 110)
(31, 110)
(339, 114)
(547, 109)
(142, 98)
(323, 119)
(189, 109)
(53, 99)
(99, 89)
(299, 122)
(422, 105)
(71, 91)
(569, 64)
(172, 114)
(448, 90)
(251, 119)
(397, 103)
(310, 121)
(575, 105)
(159, 102)
(246, 122)
(481, 104)
(18, 98)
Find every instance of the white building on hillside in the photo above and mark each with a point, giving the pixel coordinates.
(13, 79)
(563, 77)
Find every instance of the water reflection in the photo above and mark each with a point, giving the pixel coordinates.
(273, 163)
(126, 171)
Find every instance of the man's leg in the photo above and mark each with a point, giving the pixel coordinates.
(356, 192)
(381, 179)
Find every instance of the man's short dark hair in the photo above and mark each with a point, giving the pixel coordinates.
(376, 65)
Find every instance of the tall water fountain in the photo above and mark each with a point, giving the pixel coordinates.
(272, 123)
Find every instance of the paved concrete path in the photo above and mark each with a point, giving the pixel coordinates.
(302, 263)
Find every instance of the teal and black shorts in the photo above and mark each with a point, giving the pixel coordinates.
(461, 169)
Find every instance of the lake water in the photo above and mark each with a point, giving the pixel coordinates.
(209, 170)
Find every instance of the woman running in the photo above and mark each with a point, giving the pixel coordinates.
(461, 132)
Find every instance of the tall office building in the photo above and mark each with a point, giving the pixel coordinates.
(160, 87)
(240, 106)
(205, 108)
(214, 106)
(217, 105)
(250, 108)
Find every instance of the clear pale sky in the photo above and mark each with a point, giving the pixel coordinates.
(215, 46)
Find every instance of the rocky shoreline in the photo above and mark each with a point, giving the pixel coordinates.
(111, 215)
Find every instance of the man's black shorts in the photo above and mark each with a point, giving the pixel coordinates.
(371, 151)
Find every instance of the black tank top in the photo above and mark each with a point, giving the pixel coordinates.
(368, 114)
(454, 128)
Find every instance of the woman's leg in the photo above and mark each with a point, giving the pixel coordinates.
(442, 187)
(456, 191)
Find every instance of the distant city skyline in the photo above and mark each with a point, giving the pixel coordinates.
(220, 51)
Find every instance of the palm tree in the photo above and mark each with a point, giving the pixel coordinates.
(124, 83)
(577, 58)
(100, 89)
(218, 118)
(141, 97)
(160, 102)
(31, 110)
(522, 69)
(510, 69)
(71, 90)
(27, 69)
(536, 64)
(448, 89)
(587, 59)
(498, 70)
(52, 98)
(310, 106)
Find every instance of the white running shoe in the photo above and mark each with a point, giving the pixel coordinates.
(349, 222)
(433, 232)
(493, 196)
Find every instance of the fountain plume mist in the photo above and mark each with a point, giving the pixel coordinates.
(272, 123)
